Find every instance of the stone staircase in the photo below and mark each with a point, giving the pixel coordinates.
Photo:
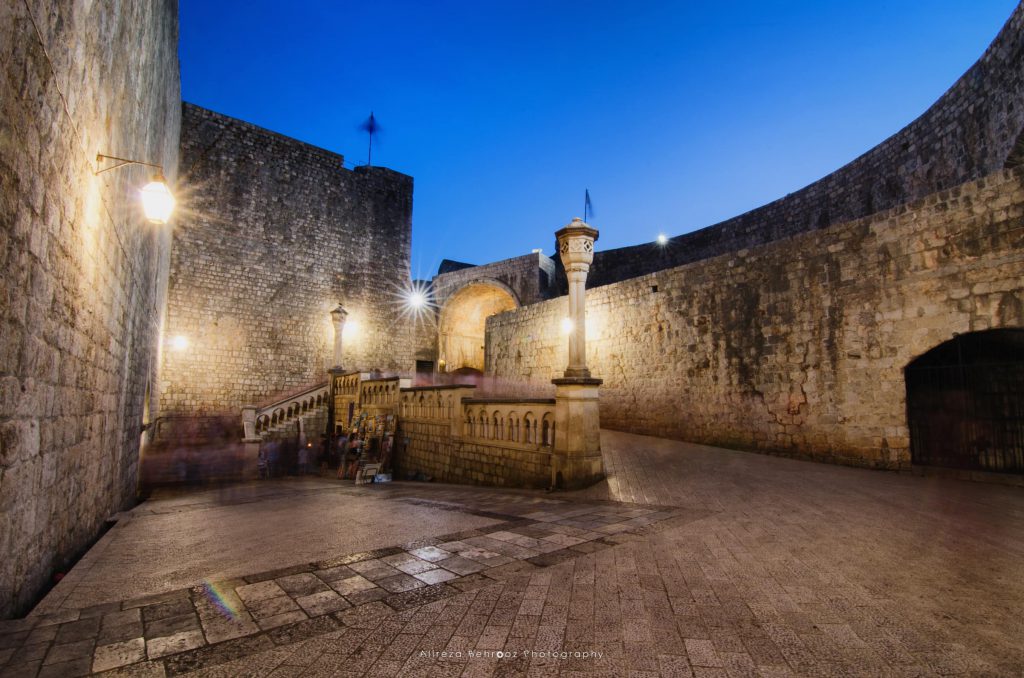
(304, 411)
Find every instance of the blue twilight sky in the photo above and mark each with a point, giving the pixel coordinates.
(675, 115)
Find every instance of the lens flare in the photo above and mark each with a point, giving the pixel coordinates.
(219, 599)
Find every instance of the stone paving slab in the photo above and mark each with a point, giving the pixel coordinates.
(206, 625)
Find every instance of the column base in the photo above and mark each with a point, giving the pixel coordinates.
(574, 472)
(577, 460)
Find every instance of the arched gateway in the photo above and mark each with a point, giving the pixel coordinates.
(965, 403)
(464, 321)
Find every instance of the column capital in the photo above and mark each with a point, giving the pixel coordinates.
(576, 243)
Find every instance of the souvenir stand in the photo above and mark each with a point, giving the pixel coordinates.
(378, 434)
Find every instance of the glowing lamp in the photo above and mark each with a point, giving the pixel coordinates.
(157, 201)
(351, 329)
(662, 239)
(179, 343)
(417, 299)
(567, 326)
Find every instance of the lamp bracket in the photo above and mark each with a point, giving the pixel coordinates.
(122, 162)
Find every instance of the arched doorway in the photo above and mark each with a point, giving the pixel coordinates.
(464, 322)
(965, 403)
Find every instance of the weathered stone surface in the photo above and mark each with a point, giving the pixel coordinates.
(795, 347)
(83, 288)
(279, 233)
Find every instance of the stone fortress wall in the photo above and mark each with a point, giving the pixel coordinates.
(794, 347)
(787, 328)
(971, 131)
(84, 283)
(277, 233)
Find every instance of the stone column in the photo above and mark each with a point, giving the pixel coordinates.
(576, 247)
(249, 423)
(338, 316)
(250, 443)
(577, 461)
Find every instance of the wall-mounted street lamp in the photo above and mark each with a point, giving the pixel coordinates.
(157, 201)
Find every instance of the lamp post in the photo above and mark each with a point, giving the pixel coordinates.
(338, 317)
(577, 458)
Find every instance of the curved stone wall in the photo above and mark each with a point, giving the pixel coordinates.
(971, 131)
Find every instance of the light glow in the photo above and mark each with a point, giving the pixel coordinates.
(567, 326)
(179, 342)
(662, 239)
(417, 299)
(157, 201)
(351, 329)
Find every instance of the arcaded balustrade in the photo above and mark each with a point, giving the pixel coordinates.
(288, 409)
(347, 384)
(379, 392)
(528, 423)
(438, 403)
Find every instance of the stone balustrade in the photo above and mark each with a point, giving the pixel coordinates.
(258, 421)
(528, 424)
(447, 434)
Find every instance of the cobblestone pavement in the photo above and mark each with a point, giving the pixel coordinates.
(689, 561)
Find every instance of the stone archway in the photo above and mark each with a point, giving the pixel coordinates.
(463, 322)
(965, 403)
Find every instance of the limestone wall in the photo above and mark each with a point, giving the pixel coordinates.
(84, 276)
(972, 130)
(278, 233)
(795, 347)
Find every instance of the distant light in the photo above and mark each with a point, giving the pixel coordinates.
(662, 239)
(567, 326)
(157, 201)
(417, 299)
(179, 343)
(537, 250)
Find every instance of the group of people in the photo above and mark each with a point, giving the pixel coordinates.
(285, 457)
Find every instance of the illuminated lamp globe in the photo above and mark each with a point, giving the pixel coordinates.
(157, 201)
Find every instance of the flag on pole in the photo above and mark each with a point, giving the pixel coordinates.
(588, 207)
(371, 127)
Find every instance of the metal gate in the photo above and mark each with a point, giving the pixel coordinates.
(965, 403)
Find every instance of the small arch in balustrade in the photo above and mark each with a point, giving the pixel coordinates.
(548, 430)
(529, 428)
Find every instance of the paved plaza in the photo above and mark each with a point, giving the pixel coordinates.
(687, 561)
